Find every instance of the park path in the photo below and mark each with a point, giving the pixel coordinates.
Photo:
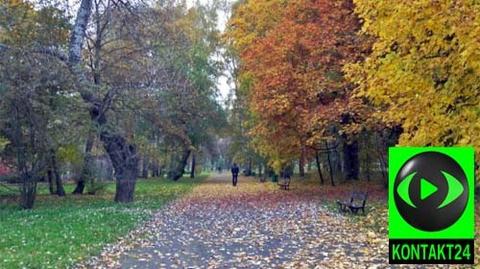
(253, 225)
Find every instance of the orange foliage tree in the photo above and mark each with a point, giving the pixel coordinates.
(299, 92)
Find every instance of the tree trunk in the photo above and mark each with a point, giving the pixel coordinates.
(350, 160)
(145, 167)
(383, 169)
(78, 32)
(367, 165)
(74, 57)
(248, 171)
(337, 162)
(329, 164)
(87, 165)
(153, 167)
(156, 169)
(159, 170)
(126, 179)
(125, 163)
(58, 180)
(319, 169)
(192, 171)
(179, 167)
(388, 140)
(79, 188)
(28, 192)
(122, 154)
(301, 164)
(51, 188)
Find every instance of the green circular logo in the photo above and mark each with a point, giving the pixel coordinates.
(431, 191)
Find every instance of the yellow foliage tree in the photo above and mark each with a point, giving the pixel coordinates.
(252, 20)
(424, 70)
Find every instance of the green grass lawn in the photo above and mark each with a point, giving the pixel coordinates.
(62, 231)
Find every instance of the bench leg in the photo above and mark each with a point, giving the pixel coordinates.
(342, 207)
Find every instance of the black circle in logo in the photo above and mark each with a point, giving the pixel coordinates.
(428, 211)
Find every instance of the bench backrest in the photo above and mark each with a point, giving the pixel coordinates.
(359, 196)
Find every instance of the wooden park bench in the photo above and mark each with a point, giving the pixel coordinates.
(284, 183)
(356, 203)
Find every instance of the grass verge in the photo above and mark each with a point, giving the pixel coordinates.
(61, 231)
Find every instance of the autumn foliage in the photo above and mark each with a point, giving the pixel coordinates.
(298, 88)
(423, 73)
(329, 70)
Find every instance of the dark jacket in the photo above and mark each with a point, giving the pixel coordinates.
(287, 171)
(235, 170)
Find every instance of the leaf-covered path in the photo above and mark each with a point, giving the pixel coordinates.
(253, 225)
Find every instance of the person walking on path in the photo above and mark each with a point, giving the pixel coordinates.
(287, 172)
(235, 171)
